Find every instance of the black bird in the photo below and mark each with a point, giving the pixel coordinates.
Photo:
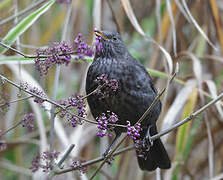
(134, 95)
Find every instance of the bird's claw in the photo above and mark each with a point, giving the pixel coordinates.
(147, 143)
(105, 155)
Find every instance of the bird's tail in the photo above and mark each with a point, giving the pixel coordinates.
(155, 157)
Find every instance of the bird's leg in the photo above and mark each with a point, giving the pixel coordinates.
(111, 145)
(147, 142)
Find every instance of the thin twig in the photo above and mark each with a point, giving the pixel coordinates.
(11, 128)
(14, 101)
(93, 161)
(93, 92)
(108, 157)
(192, 116)
(66, 154)
(4, 79)
(155, 101)
(34, 56)
(15, 50)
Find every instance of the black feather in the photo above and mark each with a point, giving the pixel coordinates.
(134, 95)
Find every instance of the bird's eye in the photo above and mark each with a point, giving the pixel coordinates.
(114, 38)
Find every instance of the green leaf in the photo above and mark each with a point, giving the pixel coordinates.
(24, 25)
(163, 75)
(6, 59)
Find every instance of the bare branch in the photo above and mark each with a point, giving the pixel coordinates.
(4, 79)
(93, 161)
(192, 116)
(14, 101)
(11, 128)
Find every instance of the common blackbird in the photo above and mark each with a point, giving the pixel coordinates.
(134, 95)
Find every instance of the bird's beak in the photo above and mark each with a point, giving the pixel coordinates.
(100, 34)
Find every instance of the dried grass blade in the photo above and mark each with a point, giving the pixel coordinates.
(129, 11)
(197, 25)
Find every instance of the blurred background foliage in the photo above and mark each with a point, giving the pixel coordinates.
(191, 31)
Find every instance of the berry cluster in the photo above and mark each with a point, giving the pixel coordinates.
(57, 53)
(76, 163)
(103, 121)
(133, 131)
(81, 48)
(60, 52)
(75, 106)
(50, 155)
(141, 152)
(38, 92)
(28, 122)
(62, 113)
(78, 102)
(35, 164)
(46, 158)
(106, 86)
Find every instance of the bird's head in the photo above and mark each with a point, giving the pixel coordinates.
(112, 44)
